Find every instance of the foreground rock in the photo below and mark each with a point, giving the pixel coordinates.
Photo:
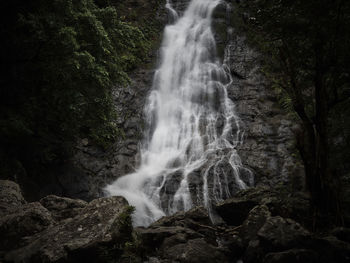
(184, 237)
(63, 208)
(276, 229)
(10, 196)
(22, 222)
(279, 201)
(77, 237)
(65, 231)
(58, 229)
(280, 233)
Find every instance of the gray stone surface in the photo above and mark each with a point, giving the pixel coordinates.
(61, 207)
(10, 196)
(282, 233)
(292, 256)
(95, 225)
(21, 222)
(255, 220)
(184, 237)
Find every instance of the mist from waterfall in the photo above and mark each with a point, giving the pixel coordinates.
(188, 156)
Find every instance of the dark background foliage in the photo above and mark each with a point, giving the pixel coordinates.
(304, 47)
(59, 61)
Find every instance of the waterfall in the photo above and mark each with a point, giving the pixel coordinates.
(188, 156)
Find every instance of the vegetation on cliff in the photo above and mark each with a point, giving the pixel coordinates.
(305, 47)
(59, 62)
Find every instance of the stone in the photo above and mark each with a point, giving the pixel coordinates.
(61, 207)
(10, 196)
(295, 206)
(79, 238)
(235, 210)
(233, 243)
(342, 233)
(282, 233)
(153, 237)
(256, 219)
(198, 215)
(21, 222)
(254, 252)
(293, 256)
(186, 237)
(331, 249)
(195, 251)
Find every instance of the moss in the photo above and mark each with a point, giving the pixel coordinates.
(123, 226)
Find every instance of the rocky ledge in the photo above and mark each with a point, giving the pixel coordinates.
(258, 225)
(60, 229)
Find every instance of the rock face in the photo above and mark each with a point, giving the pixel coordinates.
(183, 237)
(21, 222)
(234, 211)
(267, 150)
(260, 237)
(10, 196)
(62, 208)
(86, 174)
(67, 231)
(292, 256)
(268, 147)
(280, 233)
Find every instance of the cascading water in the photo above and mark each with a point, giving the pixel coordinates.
(188, 156)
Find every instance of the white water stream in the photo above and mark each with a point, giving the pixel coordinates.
(188, 156)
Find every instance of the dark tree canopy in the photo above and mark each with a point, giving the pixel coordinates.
(306, 56)
(59, 61)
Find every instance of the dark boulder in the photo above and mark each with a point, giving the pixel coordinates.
(331, 249)
(195, 251)
(281, 233)
(153, 237)
(184, 237)
(21, 222)
(61, 207)
(98, 224)
(342, 233)
(197, 215)
(293, 256)
(235, 210)
(10, 196)
(254, 252)
(256, 219)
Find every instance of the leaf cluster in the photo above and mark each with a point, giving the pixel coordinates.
(59, 62)
(305, 46)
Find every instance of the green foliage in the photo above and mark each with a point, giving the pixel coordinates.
(127, 242)
(60, 59)
(305, 49)
(124, 222)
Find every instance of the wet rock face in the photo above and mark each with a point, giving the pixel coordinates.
(268, 146)
(267, 150)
